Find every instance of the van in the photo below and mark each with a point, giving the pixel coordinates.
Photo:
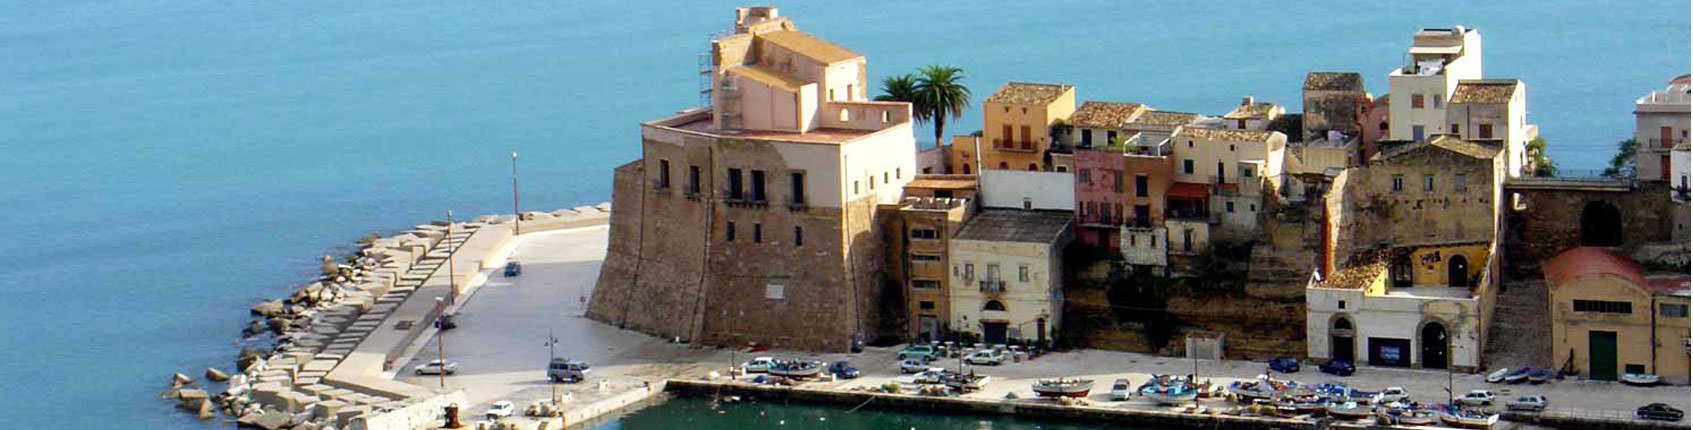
(567, 370)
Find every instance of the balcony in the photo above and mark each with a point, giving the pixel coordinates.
(991, 286)
(1198, 216)
(1018, 146)
(1139, 223)
(1658, 143)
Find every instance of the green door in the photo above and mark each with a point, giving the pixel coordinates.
(1602, 355)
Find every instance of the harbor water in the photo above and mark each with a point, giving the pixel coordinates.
(167, 164)
(704, 414)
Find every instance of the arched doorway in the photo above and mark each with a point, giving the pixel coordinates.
(1601, 225)
(1003, 166)
(1458, 271)
(1434, 343)
(966, 168)
(1341, 346)
(1033, 167)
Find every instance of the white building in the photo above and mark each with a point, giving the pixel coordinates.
(1401, 308)
(1493, 111)
(1017, 189)
(1007, 274)
(1660, 124)
(1437, 60)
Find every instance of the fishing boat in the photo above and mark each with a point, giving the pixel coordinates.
(1301, 401)
(798, 369)
(964, 383)
(1539, 376)
(1469, 418)
(1169, 390)
(1498, 375)
(1407, 416)
(1640, 379)
(1063, 387)
(1518, 375)
(1265, 387)
(1349, 410)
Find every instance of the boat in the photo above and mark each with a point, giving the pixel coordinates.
(1063, 387)
(964, 383)
(1415, 417)
(1349, 410)
(1469, 418)
(1265, 387)
(1640, 379)
(798, 369)
(1518, 375)
(1302, 401)
(1169, 390)
(1540, 375)
(1498, 375)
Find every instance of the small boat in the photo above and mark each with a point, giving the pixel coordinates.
(1170, 391)
(1416, 417)
(1265, 387)
(1640, 379)
(798, 369)
(1302, 402)
(1349, 410)
(1063, 387)
(964, 383)
(1498, 375)
(1539, 376)
(1518, 375)
(1469, 418)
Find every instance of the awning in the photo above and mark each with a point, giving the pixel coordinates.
(1186, 190)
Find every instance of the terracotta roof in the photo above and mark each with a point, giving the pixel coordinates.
(767, 77)
(1591, 260)
(1358, 271)
(1484, 91)
(1226, 135)
(1670, 284)
(809, 46)
(1449, 143)
(942, 182)
(1250, 111)
(1011, 225)
(1165, 118)
(1105, 114)
(1339, 81)
(1027, 93)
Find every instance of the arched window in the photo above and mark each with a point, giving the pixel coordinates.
(993, 305)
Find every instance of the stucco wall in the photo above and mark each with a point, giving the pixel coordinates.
(1570, 329)
(1025, 300)
(1043, 190)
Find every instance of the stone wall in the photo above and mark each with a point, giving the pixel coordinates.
(1551, 223)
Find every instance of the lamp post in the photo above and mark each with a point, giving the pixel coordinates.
(517, 220)
(452, 280)
(552, 382)
(441, 346)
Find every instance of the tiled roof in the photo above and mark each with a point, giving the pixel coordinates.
(1358, 271)
(1105, 114)
(767, 77)
(1338, 81)
(1027, 93)
(1251, 111)
(1484, 92)
(1225, 135)
(1591, 260)
(810, 46)
(1165, 118)
(1449, 143)
(1016, 226)
(944, 182)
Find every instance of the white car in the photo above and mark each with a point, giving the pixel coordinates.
(1477, 398)
(500, 409)
(986, 356)
(913, 365)
(1527, 403)
(1120, 390)
(437, 367)
(1392, 394)
(758, 364)
(931, 375)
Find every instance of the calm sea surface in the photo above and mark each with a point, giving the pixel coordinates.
(702, 414)
(167, 163)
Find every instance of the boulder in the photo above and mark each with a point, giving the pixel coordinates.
(207, 410)
(190, 397)
(182, 379)
(212, 373)
(270, 420)
(268, 308)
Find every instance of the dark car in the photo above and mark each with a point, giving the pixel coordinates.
(843, 370)
(1285, 364)
(1337, 368)
(1659, 411)
(513, 269)
(447, 321)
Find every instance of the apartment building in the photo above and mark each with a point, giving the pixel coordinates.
(1661, 120)
(1235, 167)
(919, 230)
(1007, 274)
(1494, 112)
(1251, 114)
(755, 220)
(1437, 59)
(1017, 122)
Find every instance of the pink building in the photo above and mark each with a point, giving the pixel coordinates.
(1099, 195)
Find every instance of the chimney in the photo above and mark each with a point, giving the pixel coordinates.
(1246, 101)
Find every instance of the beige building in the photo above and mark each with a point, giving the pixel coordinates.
(1251, 114)
(1236, 166)
(1493, 111)
(1608, 319)
(1660, 124)
(1007, 274)
(756, 220)
(1420, 306)
(1017, 124)
(918, 230)
(1437, 60)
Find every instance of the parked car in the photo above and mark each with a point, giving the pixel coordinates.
(500, 409)
(1338, 368)
(1393, 394)
(447, 321)
(1120, 390)
(987, 356)
(913, 365)
(1285, 364)
(567, 370)
(843, 370)
(758, 364)
(1659, 411)
(1477, 398)
(437, 367)
(513, 268)
(924, 352)
(932, 375)
(1527, 403)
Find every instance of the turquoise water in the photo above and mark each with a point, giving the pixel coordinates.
(167, 164)
(702, 414)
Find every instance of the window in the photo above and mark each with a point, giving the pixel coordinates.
(1140, 185)
(1485, 130)
(1246, 172)
(1117, 180)
(694, 179)
(884, 177)
(1132, 240)
(1152, 241)
(1672, 310)
(831, 94)
(1253, 207)
(758, 185)
(1417, 133)
(1605, 307)
(1398, 183)
(1231, 147)
(1428, 182)
(1187, 166)
(1459, 182)
(855, 187)
(757, 233)
(1187, 240)
(969, 271)
(993, 272)
(730, 232)
(1005, 130)
(1436, 98)
(1026, 141)
(845, 116)
(1453, 129)
(925, 257)
(774, 291)
(796, 188)
(1023, 273)
(917, 283)
(1086, 176)
(926, 305)
(664, 174)
(799, 236)
(871, 181)
(924, 233)
(1416, 101)
(896, 173)
(1087, 137)
(885, 117)
(1342, 304)
(734, 184)
(1110, 136)
(1228, 206)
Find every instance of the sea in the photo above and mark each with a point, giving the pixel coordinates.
(166, 164)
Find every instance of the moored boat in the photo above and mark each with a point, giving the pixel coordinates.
(1349, 410)
(1540, 375)
(798, 369)
(1063, 387)
(1170, 391)
(1519, 375)
(1416, 417)
(1498, 375)
(1469, 418)
(1640, 379)
(1265, 387)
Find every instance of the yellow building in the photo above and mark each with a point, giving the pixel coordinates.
(1608, 319)
(918, 231)
(1008, 274)
(1017, 124)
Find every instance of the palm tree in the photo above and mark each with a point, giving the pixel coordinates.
(902, 88)
(940, 93)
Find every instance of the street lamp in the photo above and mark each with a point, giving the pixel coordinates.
(518, 216)
(452, 279)
(441, 345)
